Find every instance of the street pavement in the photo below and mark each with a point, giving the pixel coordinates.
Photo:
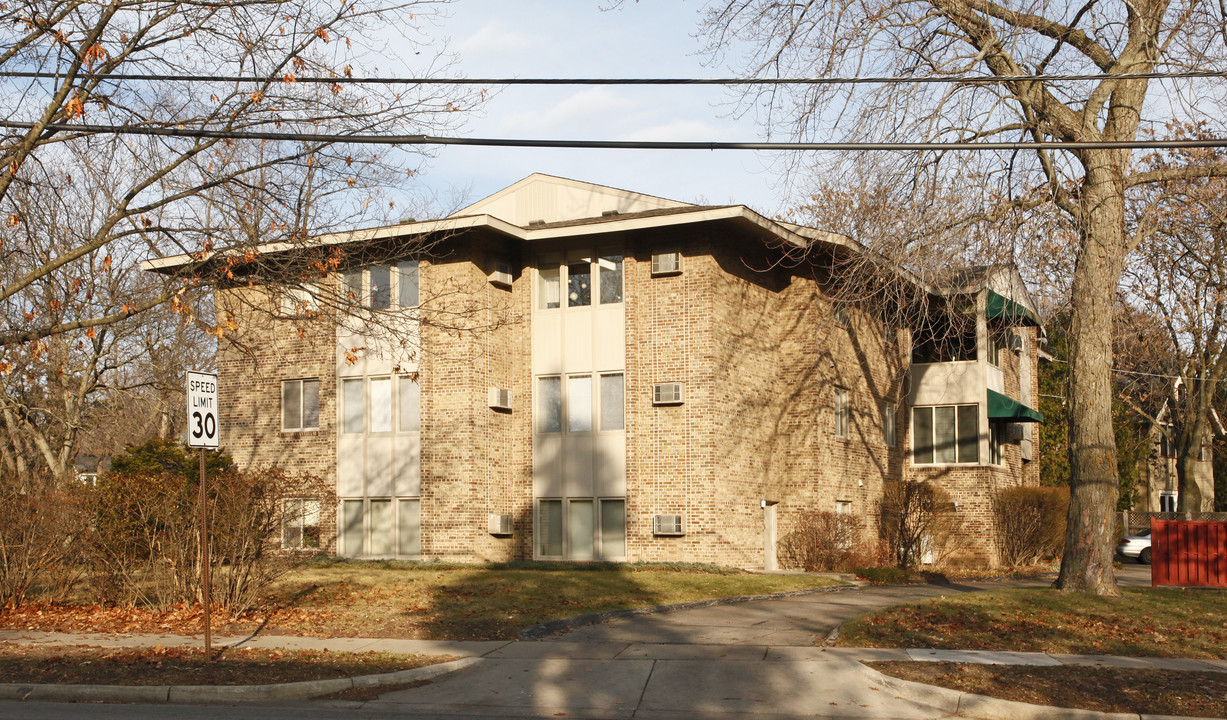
(762, 660)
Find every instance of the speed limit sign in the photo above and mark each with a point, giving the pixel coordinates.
(202, 410)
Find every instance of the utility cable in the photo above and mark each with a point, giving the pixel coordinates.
(367, 139)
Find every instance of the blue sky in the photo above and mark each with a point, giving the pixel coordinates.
(575, 38)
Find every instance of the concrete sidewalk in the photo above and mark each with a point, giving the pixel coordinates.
(759, 659)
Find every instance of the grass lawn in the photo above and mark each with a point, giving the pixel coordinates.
(1162, 622)
(184, 666)
(428, 601)
(1145, 622)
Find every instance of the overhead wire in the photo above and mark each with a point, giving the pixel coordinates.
(374, 139)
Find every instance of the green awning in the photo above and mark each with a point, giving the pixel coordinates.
(1000, 306)
(1001, 407)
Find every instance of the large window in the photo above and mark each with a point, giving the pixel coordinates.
(586, 277)
(367, 405)
(946, 434)
(376, 286)
(300, 404)
(583, 401)
(1167, 446)
(581, 528)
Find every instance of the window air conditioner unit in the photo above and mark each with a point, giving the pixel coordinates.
(667, 525)
(500, 398)
(666, 263)
(669, 393)
(501, 275)
(1016, 342)
(1015, 433)
(500, 524)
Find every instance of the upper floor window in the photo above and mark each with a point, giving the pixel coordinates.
(889, 434)
(946, 434)
(369, 405)
(1167, 445)
(581, 403)
(587, 278)
(376, 286)
(300, 300)
(945, 337)
(300, 404)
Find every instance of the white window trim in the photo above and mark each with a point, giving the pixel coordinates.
(936, 462)
(281, 401)
(560, 261)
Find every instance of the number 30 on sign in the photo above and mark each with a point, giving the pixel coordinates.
(202, 410)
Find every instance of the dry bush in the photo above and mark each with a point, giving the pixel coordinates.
(917, 521)
(820, 541)
(147, 544)
(43, 529)
(1030, 524)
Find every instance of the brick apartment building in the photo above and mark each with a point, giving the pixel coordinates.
(641, 380)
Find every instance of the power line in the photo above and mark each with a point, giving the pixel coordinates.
(880, 80)
(1146, 374)
(367, 139)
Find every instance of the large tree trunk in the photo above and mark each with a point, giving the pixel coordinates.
(1086, 565)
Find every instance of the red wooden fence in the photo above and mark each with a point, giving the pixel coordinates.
(1188, 553)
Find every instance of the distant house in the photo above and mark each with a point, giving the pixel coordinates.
(654, 384)
(1159, 489)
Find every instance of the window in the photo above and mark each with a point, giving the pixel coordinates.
(946, 434)
(353, 406)
(549, 404)
(375, 286)
(994, 443)
(840, 312)
(409, 405)
(300, 300)
(845, 526)
(587, 278)
(300, 404)
(889, 434)
(380, 404)
(1167, 443)
(408, 292)
(579, 403)
(842, 413)
(1203, 453)
(549, 528)
(593, 528)
(300, 524)
(613, 410)
(1167, 501)
(380, 527)
(994, 348)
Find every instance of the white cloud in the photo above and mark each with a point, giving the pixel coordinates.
(679, 130)
(586, 114)
(492, 38)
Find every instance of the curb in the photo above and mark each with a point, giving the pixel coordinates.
(970, 705)
(159, 694)
(553, 627)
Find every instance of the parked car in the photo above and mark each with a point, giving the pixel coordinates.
(1136, 547)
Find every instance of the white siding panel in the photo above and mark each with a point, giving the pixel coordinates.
(379, 466)
(577, 346)
(577, 466)
(407, 459)
(547, 466)
(996, 378)
(547, 343)
(609, 338)
(610, 458)
(952, 383)
(350, 466)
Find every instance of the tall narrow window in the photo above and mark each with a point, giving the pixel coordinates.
(300, 523)
(353, 405)
(549, 281)
(994, 443)
(613, 528)
(380, 513)
(613, 412)
(549, 404)
(409, 527)
(842, 413)
(300, 404)
(579, 403)
(889, 437)
(353, 285)
(549, 527)
(381, 287)
(579, 530)
(579, 283)
(381, 405)
(611, 279)
(407, 295)
(351, 528)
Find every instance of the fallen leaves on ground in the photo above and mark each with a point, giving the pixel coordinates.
(76, 664)
(1120, 690)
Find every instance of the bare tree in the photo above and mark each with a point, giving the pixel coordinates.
(81, 205)
(1176, 288)
(1028, 47)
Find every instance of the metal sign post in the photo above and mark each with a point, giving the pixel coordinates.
(202, 433)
